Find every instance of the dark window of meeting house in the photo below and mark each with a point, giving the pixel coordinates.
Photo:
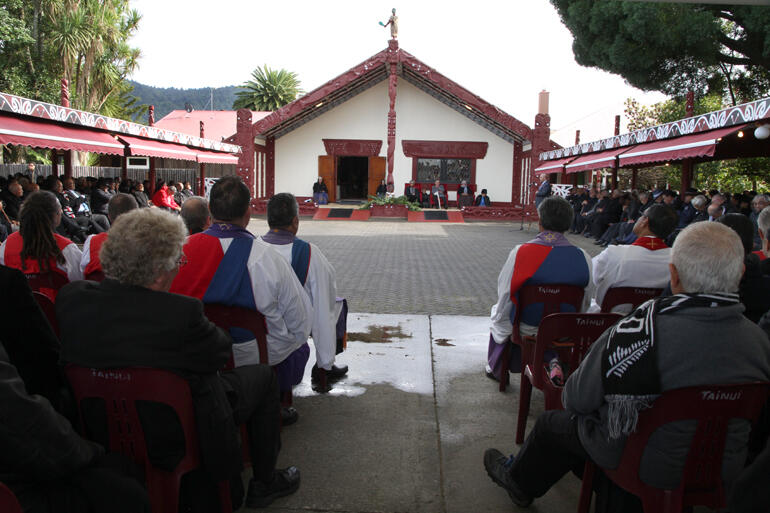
(448, 171)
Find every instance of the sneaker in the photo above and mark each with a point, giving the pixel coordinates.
(289, 415)
(261, 495)
(498, 467)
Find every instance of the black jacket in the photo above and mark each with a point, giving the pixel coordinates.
(132, 326)
(99, 201)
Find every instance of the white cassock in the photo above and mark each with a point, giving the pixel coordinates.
(629, 266)
(321, 288)
(279, 297)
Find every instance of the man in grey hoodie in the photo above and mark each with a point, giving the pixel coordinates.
(700, 338)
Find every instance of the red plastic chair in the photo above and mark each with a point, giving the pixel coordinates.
(552, 296)
(8, 501)
(226, 317)
(472, 188)
(47, 283)
(701, 485)
(48, 308)
(571, 335)
(634, 296)
(121, 389)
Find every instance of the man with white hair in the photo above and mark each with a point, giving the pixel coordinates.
(759, 202)
(140, 259)
(701, 338)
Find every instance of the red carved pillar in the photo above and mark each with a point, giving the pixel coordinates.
(633, 178)
(151, 175)
(65, 102)
(392, 89)
(202, 165)
(269, 167)
(516, 175)
(244, 137)
(615, 162)
(687, 167)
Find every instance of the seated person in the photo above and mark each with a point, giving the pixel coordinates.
(382, 189)
(548, 258)
(464, 195)
(226, 254)
(438, 195)
(195, 214)
(140, 258)
(482, 200)
(49, 467)
(35, 248)
(164, 198)
(320, 192)
(412, 192)
(641, 264)
(78, 202)
(754, 289)
(601, 408)
(90, 265)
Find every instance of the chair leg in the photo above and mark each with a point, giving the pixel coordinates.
(525, 394)
(586, 488)
(505, 367)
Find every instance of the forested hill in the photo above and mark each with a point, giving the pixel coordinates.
(167, 99)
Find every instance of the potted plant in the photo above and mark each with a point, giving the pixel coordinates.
(389, 206)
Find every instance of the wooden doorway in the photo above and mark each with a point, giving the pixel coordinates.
(351, 177)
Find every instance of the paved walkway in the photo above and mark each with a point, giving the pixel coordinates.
(406, 430)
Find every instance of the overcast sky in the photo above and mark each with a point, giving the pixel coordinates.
(504, 52)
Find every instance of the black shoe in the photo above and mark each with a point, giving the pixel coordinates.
(498, 465)
(289, 415)
(334, 374)
(261, 495)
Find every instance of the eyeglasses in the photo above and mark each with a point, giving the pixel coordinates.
(182, 261)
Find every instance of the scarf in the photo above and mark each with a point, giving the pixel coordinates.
(630, 373)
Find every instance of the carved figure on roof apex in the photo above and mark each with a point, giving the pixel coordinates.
(393, 22)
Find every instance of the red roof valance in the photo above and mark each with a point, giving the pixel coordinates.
(150, 148)
(215, 157)
(43, 134)
(702, 144)
(553, 166)
(593, 161)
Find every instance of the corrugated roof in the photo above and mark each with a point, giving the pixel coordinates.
(218, 124)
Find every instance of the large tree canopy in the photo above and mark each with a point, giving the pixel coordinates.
(674, 47)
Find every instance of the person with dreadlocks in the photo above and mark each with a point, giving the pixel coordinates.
(697, 336)
(35, 248)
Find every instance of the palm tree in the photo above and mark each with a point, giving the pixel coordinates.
(270, 90)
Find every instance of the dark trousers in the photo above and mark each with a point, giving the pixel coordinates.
(253, 394)
(551, 450)
(110, 485)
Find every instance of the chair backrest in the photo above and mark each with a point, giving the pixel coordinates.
(633, 296)
(48, 308)
(48, 283)
(226, 317)
(712, 406)
(571, 334)
(120, 389)
(8, 501)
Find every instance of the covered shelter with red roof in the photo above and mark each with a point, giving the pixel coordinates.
(392, 118)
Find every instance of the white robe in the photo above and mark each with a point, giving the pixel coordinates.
(321, 288)
(629, 266)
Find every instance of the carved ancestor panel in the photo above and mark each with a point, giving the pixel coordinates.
(352, 147)
(447, 170)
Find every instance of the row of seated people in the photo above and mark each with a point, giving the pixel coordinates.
(647, 353)
(435, 195)
(148, 253)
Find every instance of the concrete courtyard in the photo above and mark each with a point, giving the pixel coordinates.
(406, 430)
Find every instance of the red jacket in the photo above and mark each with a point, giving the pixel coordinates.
(164, 198)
